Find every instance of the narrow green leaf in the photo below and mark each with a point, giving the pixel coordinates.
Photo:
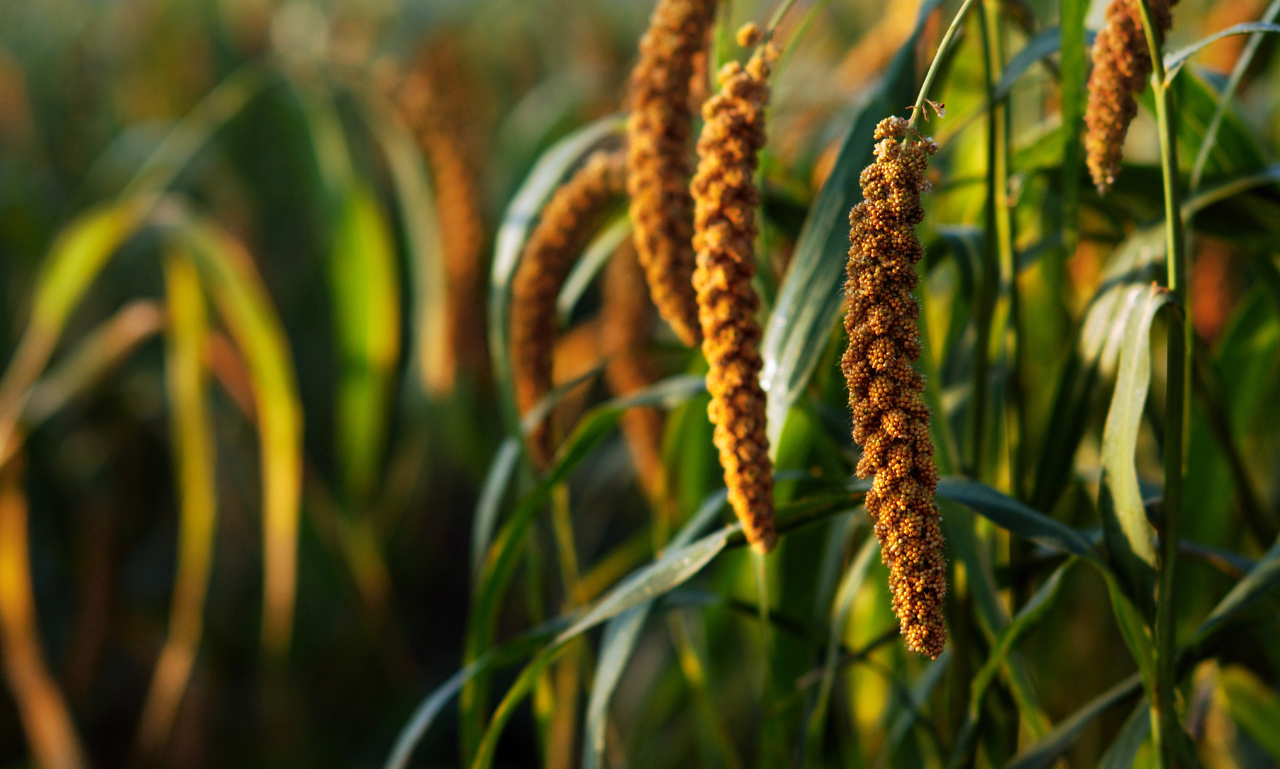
(1173, 61)
(1124, 750)
(1253, 705)
(1046, 43)
(249, 315)
(365, 293)
(194, 452)
(1127, 532)
(840, 607)
(489, 504)
(593, 259)
(1074, 73)
(1014, 516)
(76, 257)
(1046, 751)
(1261, 578)
(813, 291)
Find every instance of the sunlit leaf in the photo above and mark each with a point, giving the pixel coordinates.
(228, 272)
(193, 447)
(1253, 705)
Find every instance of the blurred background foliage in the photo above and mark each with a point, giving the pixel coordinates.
(264, 451)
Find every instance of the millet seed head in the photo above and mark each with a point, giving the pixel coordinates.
(659, 131)
(568, 221)
(1121, 69)
(890, 420)
(725, 199)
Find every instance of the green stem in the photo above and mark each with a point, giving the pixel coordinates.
(943, 47)
(1165, 727)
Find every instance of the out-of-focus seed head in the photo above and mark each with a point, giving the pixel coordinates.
(436, 103)
(726, 198)
(626, 326)
(659, 129)
(568, 221)
(890, 420)
(1121, 69)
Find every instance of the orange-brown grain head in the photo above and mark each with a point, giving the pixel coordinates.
(890, 419)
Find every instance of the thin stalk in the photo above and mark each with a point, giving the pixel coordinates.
(943, 47)
(1164, 718)
(988, 287)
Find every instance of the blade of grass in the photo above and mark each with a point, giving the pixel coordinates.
(192, 440)
(589, 265)
(46, 721)
(94, 357)
(1044, 752)
(245, 307)
(1224, 99)
(76, 257)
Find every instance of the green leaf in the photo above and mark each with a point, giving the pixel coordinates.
(76, 257)
(1046, 751)
(1046, 43)
(365, 292)
(1015, 517)
(619, 641)
(416, 201)
(1027, 618)
(1124, 750)
(813, 291)
(672, 570)
(504, 553)
(593, 259)
(246, 309)
(431, 706)
(1127, 532)
(1074, 69)
(517, 222)
(1261, 578)
(488, 506)
(1253, 705)
(192, 444)
(1173, 61)
(840, 607)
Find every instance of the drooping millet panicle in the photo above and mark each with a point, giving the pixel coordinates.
(568, 221)
(1121, 69)
(434, 101)
(626, 327)
(659, 128)
(890, 419)
(726, 199)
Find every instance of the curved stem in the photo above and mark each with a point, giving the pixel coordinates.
(1165, 726)
(943, 47)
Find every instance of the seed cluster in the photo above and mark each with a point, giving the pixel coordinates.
(1121, 68)
(659, 128)
(434, 101)
(568, 221)
(890, 419)
(726, 199)
(626, 322)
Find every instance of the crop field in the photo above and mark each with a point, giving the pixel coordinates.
(633, 384)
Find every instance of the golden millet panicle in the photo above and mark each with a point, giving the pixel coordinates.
(1121, 69)
(434, 102)
(890, 420)
(568, 221)
(626, 325)
(726, 199)
(659, 130)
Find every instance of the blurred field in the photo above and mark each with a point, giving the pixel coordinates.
(263, 489)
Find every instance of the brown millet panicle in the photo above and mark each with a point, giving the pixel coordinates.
(434, 101)
(1121, 69)
(626, 327)
(726, 200)
(568, 221)
(890, 420)
(659, 128)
